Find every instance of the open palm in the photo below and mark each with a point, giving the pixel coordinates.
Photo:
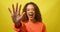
(16, 17)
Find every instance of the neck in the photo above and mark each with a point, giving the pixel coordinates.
(31, 20)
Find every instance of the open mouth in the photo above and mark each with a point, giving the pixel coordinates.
(31, 14)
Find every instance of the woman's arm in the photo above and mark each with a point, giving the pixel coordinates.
(16, 17)
(44, 28)
(15, 14)
(20, 28)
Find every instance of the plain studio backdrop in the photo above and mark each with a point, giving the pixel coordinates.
(50, 11)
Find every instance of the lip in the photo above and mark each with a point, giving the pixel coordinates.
(31, 14)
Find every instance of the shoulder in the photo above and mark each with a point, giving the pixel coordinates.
(42, 24)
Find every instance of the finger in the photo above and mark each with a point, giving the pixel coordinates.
(19, 8)
(13, 8)
(21, 17)
(23, 14)
(16, 7)
(9, 10)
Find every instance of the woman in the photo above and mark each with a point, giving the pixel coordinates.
(29, 21)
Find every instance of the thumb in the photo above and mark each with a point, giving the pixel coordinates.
(23, 14)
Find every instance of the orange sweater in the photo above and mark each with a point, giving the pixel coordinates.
(31, 27)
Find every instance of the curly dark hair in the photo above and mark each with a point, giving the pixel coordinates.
(37, 12)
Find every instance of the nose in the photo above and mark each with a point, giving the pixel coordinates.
(31, 10)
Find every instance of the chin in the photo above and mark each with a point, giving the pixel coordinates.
(31, 18)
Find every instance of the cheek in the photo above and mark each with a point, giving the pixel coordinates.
(27, 13)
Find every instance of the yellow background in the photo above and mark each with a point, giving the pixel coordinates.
(50, 10)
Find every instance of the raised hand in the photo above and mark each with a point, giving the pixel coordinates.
(16, 17)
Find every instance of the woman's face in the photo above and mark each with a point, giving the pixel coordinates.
(30, 12)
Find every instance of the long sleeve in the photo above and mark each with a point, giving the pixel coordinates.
(44, 28)
(20, 28)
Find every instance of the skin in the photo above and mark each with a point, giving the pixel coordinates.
(30, 10)
(17, 18)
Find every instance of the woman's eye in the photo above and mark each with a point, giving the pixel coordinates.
(28, 9)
